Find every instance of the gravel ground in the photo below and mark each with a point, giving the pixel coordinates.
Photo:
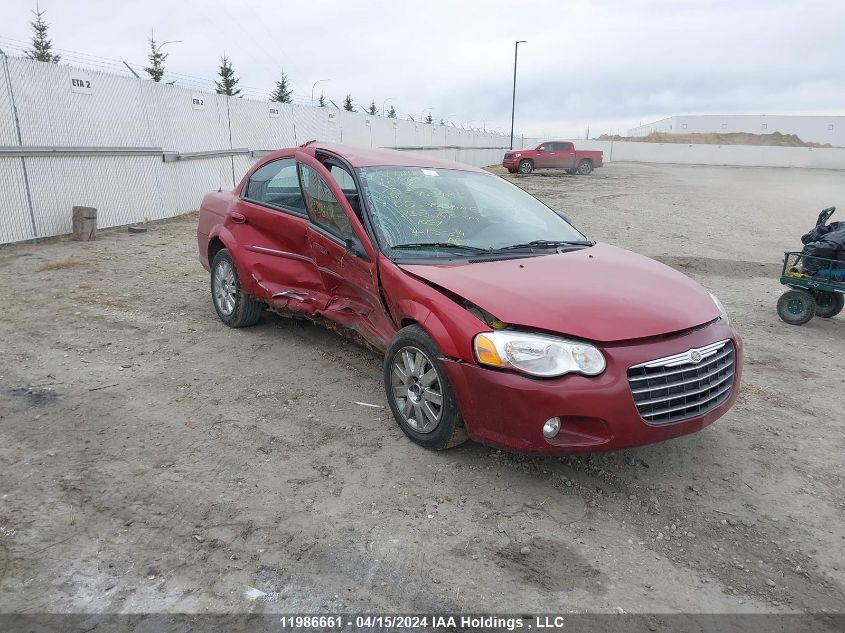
(154, 460)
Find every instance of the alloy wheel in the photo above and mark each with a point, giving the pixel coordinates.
(225, 287)
(416, 389)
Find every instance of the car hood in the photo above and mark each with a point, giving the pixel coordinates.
(602, 293)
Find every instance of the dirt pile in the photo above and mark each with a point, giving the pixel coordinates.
(712, 138)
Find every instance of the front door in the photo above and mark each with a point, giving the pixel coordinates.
(271, 223)
(343, 253)
(545, 156)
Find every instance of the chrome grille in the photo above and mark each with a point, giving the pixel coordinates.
(508, 154)
(684, 385)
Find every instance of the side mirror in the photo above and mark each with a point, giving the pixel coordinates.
(541, 149)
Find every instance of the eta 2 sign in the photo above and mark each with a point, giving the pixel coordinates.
(81, 83)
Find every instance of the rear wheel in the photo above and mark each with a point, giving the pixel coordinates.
(585, 168)
(829, 304)
(419, 392)
(796, 307)
(526, 166)
(234, 306)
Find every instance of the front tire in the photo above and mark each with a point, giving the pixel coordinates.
(585, 168)
(796, 307)
(526, 166)
(234, 306)
(419, 393)
(829, 304)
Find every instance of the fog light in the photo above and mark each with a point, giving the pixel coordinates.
(551, 427)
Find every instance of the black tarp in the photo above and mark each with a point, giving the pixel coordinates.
(831, 245)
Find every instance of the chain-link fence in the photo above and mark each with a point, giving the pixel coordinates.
(72, 136)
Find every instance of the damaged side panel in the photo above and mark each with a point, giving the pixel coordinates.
(452, 325)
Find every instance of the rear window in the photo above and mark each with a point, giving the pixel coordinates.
(276, 184)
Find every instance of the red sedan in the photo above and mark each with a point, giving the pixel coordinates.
(497, 318)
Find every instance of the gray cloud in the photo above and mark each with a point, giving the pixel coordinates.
(605, 64)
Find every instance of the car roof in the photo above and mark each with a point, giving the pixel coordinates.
(372, 157)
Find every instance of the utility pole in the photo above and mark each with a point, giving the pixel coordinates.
(314, 85)
(513, 101)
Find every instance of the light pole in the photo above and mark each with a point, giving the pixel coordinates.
(384, 103)
(163, 44)
(513, 100)
(314, 85)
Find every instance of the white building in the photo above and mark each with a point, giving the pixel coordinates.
(813, 129)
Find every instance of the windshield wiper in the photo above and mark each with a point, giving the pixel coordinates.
(425, 245)
(544, 244)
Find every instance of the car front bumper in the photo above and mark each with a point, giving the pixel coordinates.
(510, 163)
(507, 410)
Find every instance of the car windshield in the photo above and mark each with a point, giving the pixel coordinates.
(448, 213)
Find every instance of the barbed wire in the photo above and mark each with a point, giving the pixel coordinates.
(122, 67)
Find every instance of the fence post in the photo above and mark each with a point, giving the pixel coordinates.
(20, 141)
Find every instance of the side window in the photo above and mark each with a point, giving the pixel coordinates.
(562, 147)
(276, 185)
(350, 191)
(343, 177)
(326, 211)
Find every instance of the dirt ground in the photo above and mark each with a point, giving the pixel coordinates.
(152, 459)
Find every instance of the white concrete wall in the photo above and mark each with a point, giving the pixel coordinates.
(43, 105)
(736, 155)
(813, 129)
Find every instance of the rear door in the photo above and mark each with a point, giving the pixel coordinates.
(565, 155)
(270, 222)
(343, 252)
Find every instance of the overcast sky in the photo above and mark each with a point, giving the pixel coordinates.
(603, 64)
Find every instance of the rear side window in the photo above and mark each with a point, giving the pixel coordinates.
(325, 209)
(276, 185)
(562, 147)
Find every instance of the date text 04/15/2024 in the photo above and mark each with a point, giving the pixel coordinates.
(447, 622)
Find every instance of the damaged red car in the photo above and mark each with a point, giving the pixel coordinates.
(497, 318)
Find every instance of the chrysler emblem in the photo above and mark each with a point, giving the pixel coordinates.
(695, 356)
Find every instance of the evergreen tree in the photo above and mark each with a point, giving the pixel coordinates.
(428, 119)
(283, 91)
(156, 57)
(228, 81)
(347, 104)
(322, 101)
(372, 109)
(41, 43)
(391, 114)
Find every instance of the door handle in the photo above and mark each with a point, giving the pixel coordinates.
(238, 218)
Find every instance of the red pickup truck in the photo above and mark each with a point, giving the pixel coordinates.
(553, 155)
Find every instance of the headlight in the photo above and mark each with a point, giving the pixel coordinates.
(721, 308)
(537, 354)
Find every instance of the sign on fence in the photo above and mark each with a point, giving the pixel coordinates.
(81, 83)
